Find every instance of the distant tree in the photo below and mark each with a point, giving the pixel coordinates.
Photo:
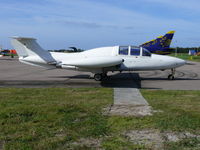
(185, 49)
(71, 50)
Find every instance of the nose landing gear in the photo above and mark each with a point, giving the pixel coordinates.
(171, 76)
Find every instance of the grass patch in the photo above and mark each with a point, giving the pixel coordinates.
(181, 109)
(50, 118)
(56, 118)
(187, 143)
(120, 143)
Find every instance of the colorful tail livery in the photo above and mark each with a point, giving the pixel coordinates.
(161, 45)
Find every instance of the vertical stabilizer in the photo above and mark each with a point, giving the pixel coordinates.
(160, 45)
(28, 47)
(31, 53)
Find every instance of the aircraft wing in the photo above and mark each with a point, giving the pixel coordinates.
(94, 62)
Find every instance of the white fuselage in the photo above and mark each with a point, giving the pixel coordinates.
(96, 60)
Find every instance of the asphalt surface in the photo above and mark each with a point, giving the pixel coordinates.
(129, 96)
(15, 74)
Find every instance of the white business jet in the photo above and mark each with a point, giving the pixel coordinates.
(98, 61)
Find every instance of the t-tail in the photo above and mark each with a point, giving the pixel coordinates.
(161, 45)
(30, 52)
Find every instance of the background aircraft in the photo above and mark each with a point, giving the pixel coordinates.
(98, 61)
(161, 45)
(8, 52)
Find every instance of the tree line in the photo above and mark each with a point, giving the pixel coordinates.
(185, 49)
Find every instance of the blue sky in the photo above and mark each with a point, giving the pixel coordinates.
(94, 23)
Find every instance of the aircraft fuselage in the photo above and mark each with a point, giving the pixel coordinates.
(98, 61)
(111, 57)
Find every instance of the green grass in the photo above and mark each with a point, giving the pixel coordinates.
(181, 109)
(55, 118)
(50, 118)
(187, 143)
(185, 56)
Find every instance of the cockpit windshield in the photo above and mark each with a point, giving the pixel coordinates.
(145, 52)
(135, 51)
(123, 50)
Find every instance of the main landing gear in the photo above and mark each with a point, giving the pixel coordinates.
(171, 76)
(100, 76)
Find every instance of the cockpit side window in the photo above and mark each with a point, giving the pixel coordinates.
(145, 52)
(123, 50)
(135, 51)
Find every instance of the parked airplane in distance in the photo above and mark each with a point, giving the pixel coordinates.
(161, 45)
(98, 61)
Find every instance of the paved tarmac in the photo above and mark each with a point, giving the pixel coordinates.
(128, 96)
(15, 74)
(129, 102)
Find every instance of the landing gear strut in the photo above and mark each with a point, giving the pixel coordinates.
(171, 76)
(104, 75)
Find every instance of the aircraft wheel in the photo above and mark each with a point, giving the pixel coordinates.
(171, 77)
(98, 77)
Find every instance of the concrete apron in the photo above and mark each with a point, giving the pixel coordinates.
(129, 102)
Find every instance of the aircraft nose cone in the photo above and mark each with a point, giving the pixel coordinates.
(180, 62)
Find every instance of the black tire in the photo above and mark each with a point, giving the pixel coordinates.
(98, 77)
(171, 77)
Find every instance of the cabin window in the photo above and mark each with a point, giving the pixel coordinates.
(135, 51)
(145, 52)
(123, 50)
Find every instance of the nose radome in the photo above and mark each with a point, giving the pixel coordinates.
(180, 62)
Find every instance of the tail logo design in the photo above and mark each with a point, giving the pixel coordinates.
(161, 45)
